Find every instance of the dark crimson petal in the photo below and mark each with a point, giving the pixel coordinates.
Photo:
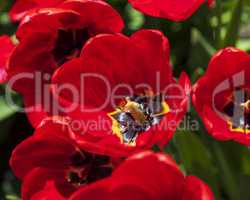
(138, 177)
(39, 151)
(22, 7)
(6, 48)
(100, 191)
(44, 184)
(24, 70)
(64, 128)
(37, 21)
(96, 191)
(34, 111)
(196, 189)
(99, 16)
(177, 10)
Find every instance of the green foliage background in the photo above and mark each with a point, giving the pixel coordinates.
(225, 166)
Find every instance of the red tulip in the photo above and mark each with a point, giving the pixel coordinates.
(146, 176)
(51, 164)
(49, 37)
(178, 10)
(222, 96)
(129, 94)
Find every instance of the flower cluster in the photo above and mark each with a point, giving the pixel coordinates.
(100, 100)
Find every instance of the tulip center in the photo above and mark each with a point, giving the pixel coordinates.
(136, 115)
(237, 111)
(69, 44)
(87, 168)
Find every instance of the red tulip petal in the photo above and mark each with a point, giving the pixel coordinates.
(22, 7)
(41, 184)
(6, 48)
(143, 176)
(156, 50)
(39, 151)
(177, 10)
(99, 16)
(196, 189)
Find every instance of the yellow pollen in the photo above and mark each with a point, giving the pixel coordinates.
(246, 105)
(136, 112)
(241, 130)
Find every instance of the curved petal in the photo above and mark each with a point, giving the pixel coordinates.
(196, 189)
(156, 50)
(39, 151)
(46, 186)
(22, 7)
(232, 60)
(37, 21)
(35, 111)
(6, 48)
(99, 16)
(139, 176)
(177, 10)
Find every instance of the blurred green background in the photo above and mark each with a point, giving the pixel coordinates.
(225, 166)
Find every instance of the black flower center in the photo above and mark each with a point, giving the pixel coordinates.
(69, 44)
(136, 115)
(86, 168)
(238, 111)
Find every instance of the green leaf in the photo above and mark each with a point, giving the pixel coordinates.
(197, 37)
(6, 110)
(136, 18)
(11, 197)
(196, 158)
(232, 32)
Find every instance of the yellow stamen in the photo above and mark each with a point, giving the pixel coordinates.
(246, 105)
(134, 109)
(241, 130)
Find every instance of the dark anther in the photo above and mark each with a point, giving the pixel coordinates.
(237, 110)
(86, 168)
(75, 179)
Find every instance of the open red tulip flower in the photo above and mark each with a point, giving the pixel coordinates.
(6, 48)
(52, 166)
(222, 96)
(49, 37)
(177, 10)
(121, 91)
(146, 176)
